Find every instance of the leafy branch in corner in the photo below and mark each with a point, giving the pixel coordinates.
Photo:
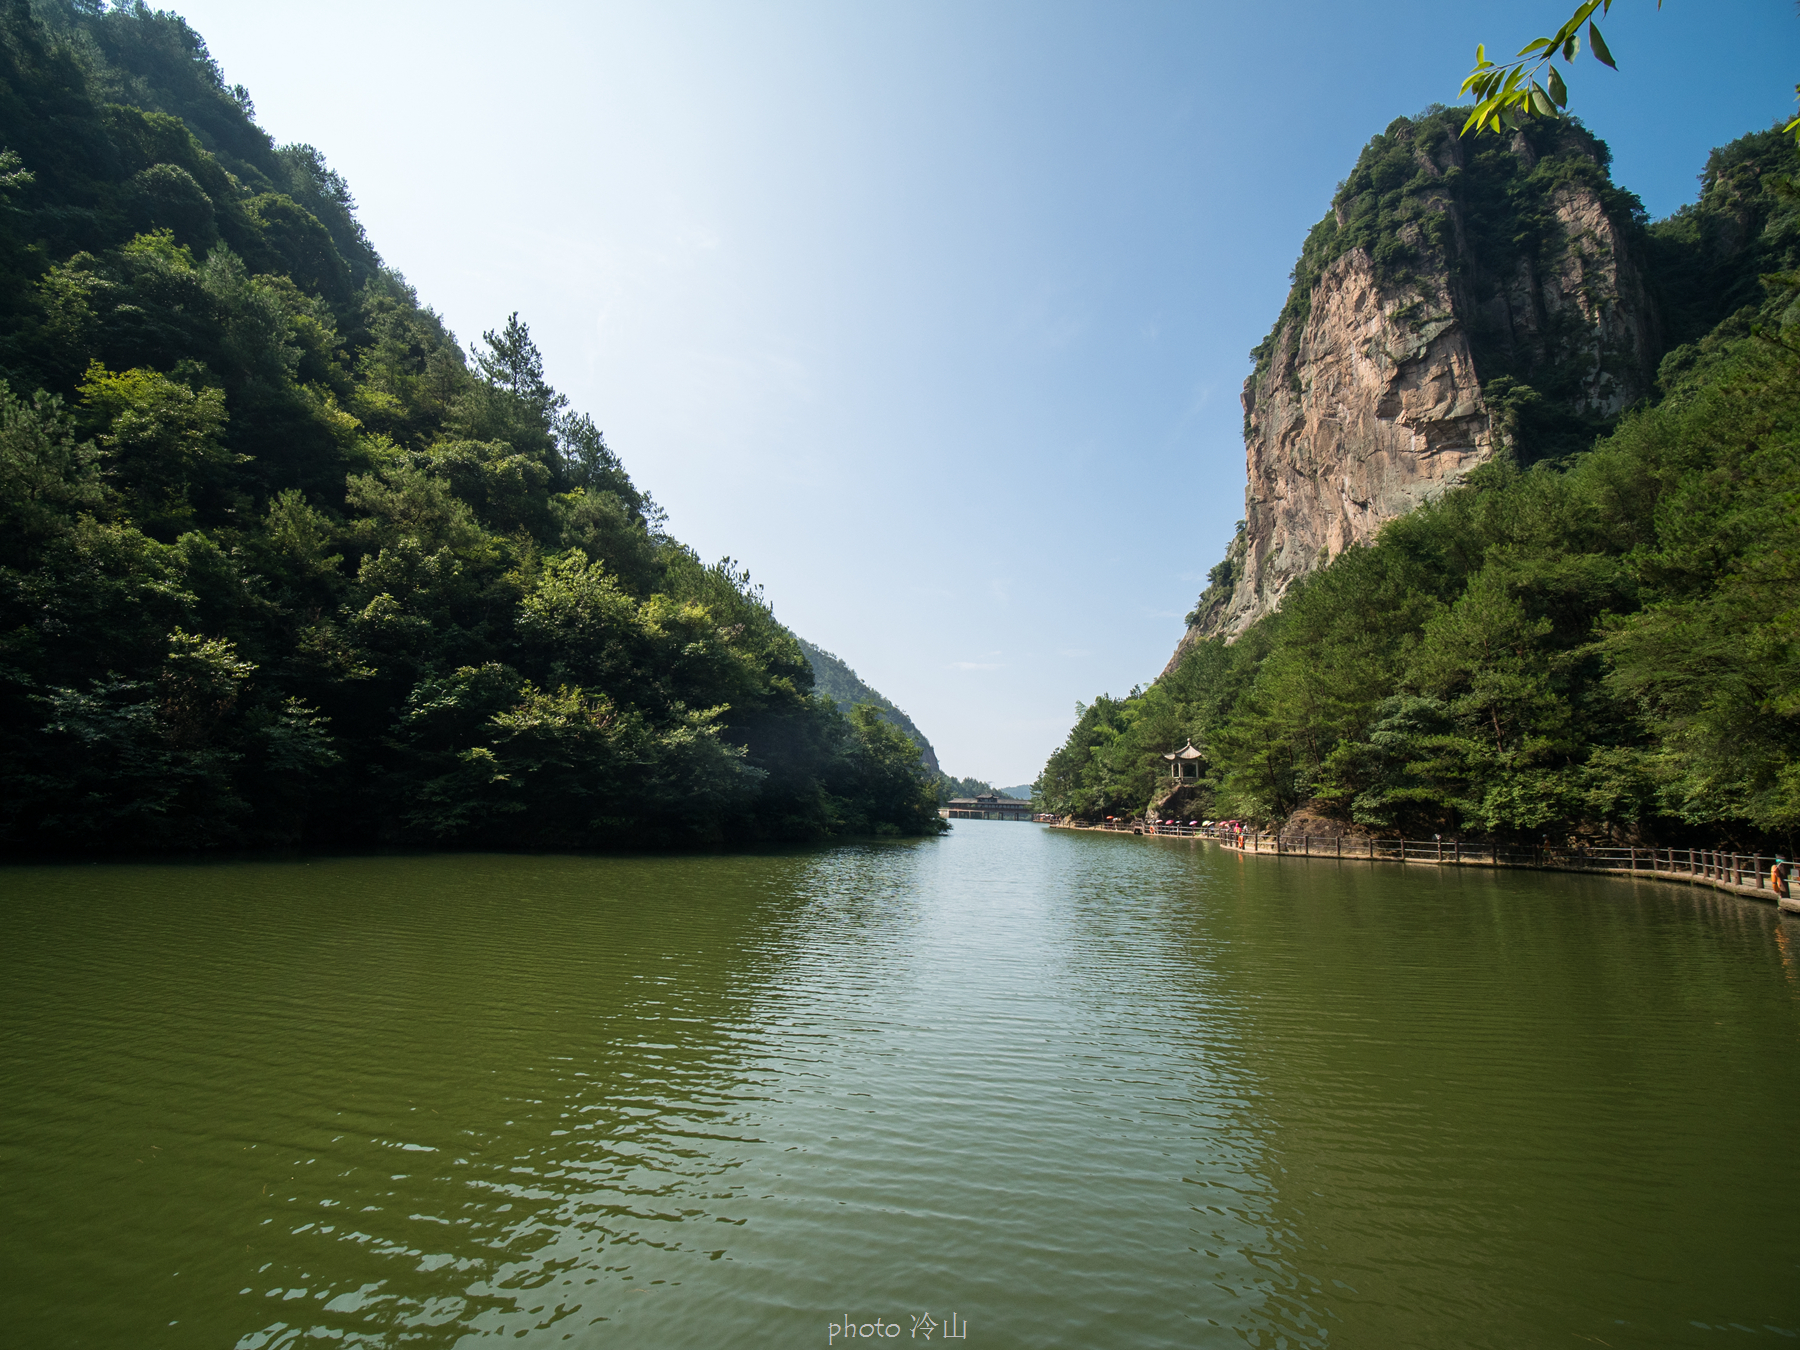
(1509, 92)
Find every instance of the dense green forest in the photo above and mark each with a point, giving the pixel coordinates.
(282, 563)
(1591, 636)
(833, 678)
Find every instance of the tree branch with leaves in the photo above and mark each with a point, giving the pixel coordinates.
(1509, 92)
(1530, 85)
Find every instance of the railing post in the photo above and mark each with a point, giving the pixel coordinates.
(1459, 850)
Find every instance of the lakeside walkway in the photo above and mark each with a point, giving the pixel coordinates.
(1742, 874)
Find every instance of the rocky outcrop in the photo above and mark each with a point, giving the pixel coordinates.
(1370, 398)
(1584, 311)
(1371, 408)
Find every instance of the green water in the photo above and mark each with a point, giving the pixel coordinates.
(1052, 1089)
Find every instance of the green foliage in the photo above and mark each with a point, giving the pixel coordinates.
(1508, 94)
(893, 792)
(837, 682)
(161, 443)
(1613, 644)
(280, 564)
(1711, 661)
(46, 476)
(1710, 258)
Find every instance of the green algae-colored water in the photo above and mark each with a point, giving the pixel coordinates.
(1044, 1089)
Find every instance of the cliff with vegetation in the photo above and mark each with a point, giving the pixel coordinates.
(1519, 561)
(281, 562)
(1459, 300)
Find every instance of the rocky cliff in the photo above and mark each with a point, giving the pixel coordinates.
(1461, 300)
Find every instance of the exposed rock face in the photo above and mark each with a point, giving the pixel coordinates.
(1588, 312)
(1371, 401)
(1373, 408)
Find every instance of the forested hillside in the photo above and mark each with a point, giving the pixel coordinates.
(282, 563)
(833, 678)
(1576, 641)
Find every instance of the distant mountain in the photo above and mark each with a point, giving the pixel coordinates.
(842, 686)
(950, 788)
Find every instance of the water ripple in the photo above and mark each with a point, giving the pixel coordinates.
(1077, 1091)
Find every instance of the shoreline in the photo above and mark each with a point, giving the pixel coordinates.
(1761, 893)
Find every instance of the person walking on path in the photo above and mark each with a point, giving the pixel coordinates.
(1778, 877)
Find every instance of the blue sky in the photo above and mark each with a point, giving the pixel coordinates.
(934, 315)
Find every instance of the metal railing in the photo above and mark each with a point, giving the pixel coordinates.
(1719, 867)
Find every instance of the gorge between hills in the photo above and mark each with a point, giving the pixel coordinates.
(441, 908)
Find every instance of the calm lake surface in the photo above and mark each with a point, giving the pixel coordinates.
(1049, 1089)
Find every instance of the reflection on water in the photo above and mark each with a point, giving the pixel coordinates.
(1062, 1090)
